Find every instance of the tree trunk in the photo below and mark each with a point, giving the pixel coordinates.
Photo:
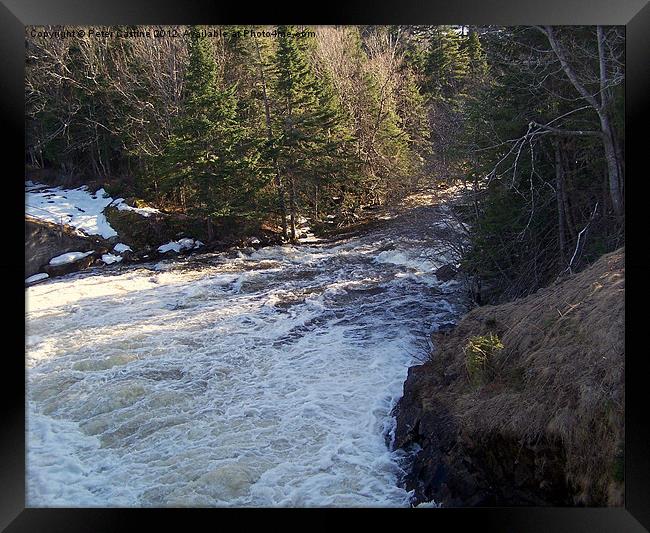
(611, 155)
(613, 168)
(283, 209)
(269, 130)
(293, 206)
(559, 192)
(210, 229)
(602, 108)
(569, 217)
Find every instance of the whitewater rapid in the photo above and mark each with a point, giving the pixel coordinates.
(258, 378)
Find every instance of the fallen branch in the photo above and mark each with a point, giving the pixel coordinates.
(575, 252)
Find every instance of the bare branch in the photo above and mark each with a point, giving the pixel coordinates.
(559, 131)
(568, 70)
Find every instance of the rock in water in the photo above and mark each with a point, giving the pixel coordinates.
(446, 272)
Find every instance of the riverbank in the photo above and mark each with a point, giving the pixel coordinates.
(69, 230)
(523, 403)
(86, 228)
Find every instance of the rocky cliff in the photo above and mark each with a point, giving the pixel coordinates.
(523, 403)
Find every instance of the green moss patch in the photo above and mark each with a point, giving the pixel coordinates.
(479, 357)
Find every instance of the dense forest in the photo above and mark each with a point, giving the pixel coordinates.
(279, 123)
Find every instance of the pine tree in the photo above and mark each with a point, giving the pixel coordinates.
(210, 158)
(413, 112)
(261, 60)
(307, 122)
(447, 62)
(477, 62)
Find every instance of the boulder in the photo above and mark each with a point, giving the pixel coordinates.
(45, 240)
(446, 273)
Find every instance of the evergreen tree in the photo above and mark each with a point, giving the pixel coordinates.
(477, 67)
(307, 130)
(447, 64)
(412, 108)
(209, 159)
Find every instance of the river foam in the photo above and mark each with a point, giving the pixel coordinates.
(262, 379)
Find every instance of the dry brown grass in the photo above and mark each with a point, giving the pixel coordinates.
(560, 375)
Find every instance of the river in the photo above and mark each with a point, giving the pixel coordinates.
(255, 378)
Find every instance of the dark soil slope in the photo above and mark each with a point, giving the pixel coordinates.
(534, 415)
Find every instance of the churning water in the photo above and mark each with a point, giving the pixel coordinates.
(234, 379)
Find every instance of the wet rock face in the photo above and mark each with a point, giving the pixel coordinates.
(44, 240)
(459, 468)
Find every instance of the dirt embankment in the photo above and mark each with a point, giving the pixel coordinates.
(523, 403)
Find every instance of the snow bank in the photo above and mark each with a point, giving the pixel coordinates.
(78, 208)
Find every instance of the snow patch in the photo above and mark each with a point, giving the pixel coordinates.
(69, 257)
(120, 247)
(181, 244)
(37, 277)
(110, 258)
(121, 204)
(75, 207)
(78, 208)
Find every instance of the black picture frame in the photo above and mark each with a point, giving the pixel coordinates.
(16, 14)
